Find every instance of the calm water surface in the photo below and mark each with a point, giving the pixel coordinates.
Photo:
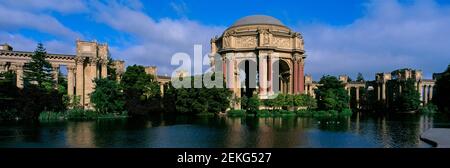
(402, 131)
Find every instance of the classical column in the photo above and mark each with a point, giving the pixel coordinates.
(421, 91)
(295, 76)
(357, 97)
(230, 71)
(269, 75)
(301, 76)
(104, 64)
(262, 75)
(431, 92)
(290, 86)
(19, 74)
(281, 83)
(161, 88)
(224, 68)
(2, 66)
(349, 89)
(79, 79)
(425, 99)
(89, 77)
(70, 80)
(379, 92)
(55, 73)
(383, 91)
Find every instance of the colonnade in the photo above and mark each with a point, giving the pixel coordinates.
(89, 63)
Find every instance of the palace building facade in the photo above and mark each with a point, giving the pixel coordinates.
(260, 55)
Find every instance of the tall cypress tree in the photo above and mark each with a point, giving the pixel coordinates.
(38, 71)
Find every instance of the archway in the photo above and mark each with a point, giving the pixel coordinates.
(281, 77)
(248, 77)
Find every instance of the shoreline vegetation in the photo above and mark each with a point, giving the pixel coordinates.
(79, 115)
(288, 113)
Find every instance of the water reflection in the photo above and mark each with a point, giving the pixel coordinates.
(361, 130)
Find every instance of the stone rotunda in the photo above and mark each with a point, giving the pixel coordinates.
(260, 55)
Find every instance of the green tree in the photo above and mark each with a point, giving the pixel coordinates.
(8, 95)
(112, 71)
(142, 91)
(442, 96)
(107, 96)
(218, 99)
(304, 100)
(331, 95)
(39, 71)
(62, 83)
(408, 99)
(251, 104)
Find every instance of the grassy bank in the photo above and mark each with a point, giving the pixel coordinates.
(78, 114)
(287, 113)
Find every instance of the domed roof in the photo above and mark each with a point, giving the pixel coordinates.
(257, 19)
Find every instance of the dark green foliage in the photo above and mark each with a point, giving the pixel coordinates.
(107, 96)
(112, 71)
(407, 99)
(331, 95)
(324, 113)
(142, 92)
(285, 101)
(38, 94)
(251, 104)
(428, 109)
(442, 87)
(78, 115)
(304, 100)
(38, 71)
(196, 100)
(236, 113)
(8, 90)
(62, 84)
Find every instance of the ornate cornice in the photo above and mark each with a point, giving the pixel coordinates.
(29, 54)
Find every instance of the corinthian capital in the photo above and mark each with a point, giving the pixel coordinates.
(297, 57)
(93, 60)
(103, 61)
(80, 60)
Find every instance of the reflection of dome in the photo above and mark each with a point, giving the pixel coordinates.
(257, 20)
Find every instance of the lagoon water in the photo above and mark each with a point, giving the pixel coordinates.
(360, 131)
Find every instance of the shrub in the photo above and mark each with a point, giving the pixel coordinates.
(305, 113)
(236, 113)
(346, 112)
(263, 113)
(49, 115)
(428, 109)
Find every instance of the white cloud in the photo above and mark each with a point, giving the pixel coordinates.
(13, 19)
(17, 41)
(155, 41)
(390, 36)
(62, 6)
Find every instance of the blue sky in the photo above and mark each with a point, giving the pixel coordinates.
(341, 37)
